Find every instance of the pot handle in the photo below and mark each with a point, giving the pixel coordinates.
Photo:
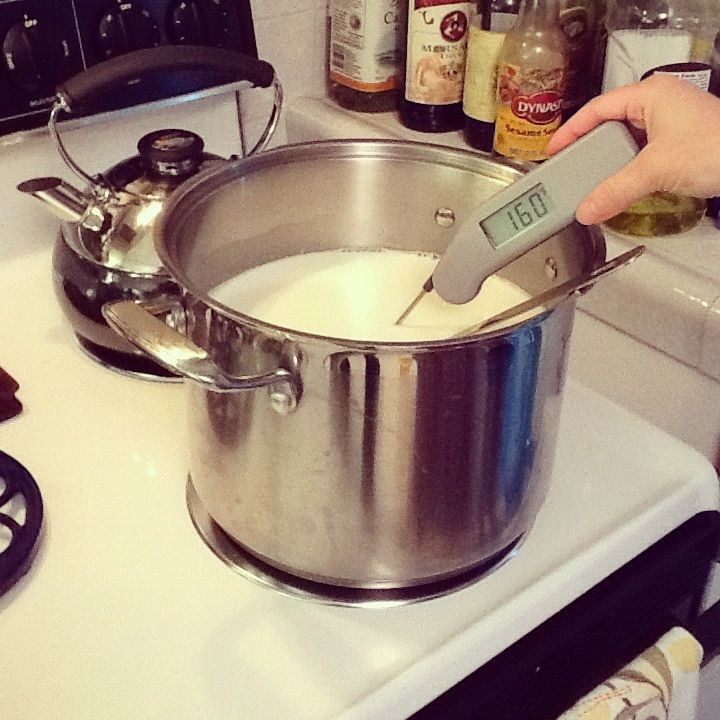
(180, 355)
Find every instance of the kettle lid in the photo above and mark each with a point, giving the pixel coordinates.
(172, 152)
(139, 187)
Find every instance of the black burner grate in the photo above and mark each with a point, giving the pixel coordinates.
(21, 514)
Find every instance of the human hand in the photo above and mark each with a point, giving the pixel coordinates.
(682, 155)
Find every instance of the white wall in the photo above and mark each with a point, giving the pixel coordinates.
(291, 36)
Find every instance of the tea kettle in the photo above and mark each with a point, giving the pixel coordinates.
(114, 220)
(116, 212)
(105, 250)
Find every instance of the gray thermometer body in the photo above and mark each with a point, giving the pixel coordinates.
(530, 210)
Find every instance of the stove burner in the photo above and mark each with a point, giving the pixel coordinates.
(270, 577)
(134, 366)
(19, 496)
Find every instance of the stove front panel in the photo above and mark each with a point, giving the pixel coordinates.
(45, 42)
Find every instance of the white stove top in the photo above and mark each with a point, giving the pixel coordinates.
(126, 614)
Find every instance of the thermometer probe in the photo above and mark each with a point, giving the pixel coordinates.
(526, 213)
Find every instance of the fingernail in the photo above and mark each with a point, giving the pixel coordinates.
(585, 213)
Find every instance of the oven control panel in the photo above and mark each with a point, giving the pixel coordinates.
(47, 41)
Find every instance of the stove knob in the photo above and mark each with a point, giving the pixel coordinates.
(203, 22)
(126, 28)
(35, 59)
(192, 22)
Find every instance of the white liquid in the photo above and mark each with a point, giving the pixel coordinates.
(358, 295)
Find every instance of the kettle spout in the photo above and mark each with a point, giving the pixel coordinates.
(61, 198)
(65, 201)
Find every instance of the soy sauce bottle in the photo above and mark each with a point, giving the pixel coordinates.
(485, 40)
(435, 65)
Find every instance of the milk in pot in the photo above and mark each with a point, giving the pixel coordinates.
(358, 295)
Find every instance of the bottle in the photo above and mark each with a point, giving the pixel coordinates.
(715, 66)
(364, 57)
(503, 15)
(645, 38)
(581, 22)
(532, 70)
(643, 35)
(435, 65)
(485, 40)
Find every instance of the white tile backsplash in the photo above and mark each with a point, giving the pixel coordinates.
(291, 36)
(710, 357)
(293, 39)
(292, 52)
(280, 9)
(652, 384)
(661, 304)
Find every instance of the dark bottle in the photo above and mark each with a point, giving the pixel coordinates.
(581, 23)
(435, 65)
(485, 40)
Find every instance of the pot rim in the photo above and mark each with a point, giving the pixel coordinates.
(213, 178)
(300, 336)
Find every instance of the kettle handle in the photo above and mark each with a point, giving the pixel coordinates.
(86, 86)
(80, 90)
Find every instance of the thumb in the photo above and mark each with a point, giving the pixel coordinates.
(617, 193)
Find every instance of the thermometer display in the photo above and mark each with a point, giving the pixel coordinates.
(515, 218)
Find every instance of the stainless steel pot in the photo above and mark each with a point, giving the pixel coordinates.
(364, 465)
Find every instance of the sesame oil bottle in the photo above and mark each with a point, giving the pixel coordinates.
(532, 73)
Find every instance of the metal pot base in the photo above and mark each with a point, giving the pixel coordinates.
(267, 576)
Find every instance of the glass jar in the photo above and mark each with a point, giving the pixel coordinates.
(645, 37)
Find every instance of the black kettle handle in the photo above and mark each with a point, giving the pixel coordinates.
(85, 87)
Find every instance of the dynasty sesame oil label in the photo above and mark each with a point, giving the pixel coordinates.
(529, 110)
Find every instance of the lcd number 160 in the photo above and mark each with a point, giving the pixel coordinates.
(517, 216)
(527, 210)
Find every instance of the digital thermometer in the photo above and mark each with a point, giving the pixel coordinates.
(530, 210)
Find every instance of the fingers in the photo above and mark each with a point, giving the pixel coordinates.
(677, 157)
(618, 192)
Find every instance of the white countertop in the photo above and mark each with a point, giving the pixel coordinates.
(126, 614)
